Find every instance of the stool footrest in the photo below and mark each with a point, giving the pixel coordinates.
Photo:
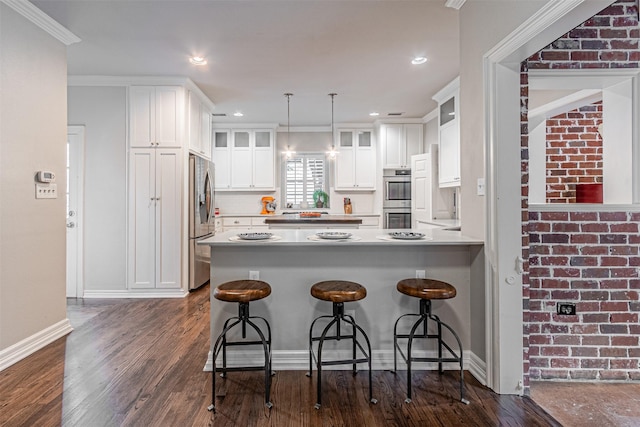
(240, 369)
(343, 362)
(238, 343)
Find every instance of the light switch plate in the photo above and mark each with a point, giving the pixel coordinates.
(480, 187)
(46, 191)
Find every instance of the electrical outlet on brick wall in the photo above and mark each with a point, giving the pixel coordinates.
(566, 308)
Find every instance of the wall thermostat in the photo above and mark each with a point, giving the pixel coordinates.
(45, 176)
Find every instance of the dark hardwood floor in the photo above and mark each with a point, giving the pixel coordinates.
(139, 363)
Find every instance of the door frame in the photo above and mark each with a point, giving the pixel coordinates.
(79, 133)
(503, 223)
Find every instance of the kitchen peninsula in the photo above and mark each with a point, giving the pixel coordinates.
(294, 259)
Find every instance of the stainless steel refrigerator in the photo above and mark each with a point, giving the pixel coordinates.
(201, 218)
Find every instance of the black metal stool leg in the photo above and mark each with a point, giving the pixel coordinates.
(319, 362)
(409, 357)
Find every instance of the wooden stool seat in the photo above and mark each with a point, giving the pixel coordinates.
(426, 289)
(242, 291)
(338, 291)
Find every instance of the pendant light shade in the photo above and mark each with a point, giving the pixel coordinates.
(332, 153)
(288, 153)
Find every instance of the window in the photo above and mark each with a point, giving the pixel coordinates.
(303, 174)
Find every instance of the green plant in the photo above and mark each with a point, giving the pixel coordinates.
(320, 196)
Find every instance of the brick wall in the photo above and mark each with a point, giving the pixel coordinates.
(589, 258)
(574, 152)
(592, 260)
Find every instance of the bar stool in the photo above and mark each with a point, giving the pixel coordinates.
(242, 292)
(338, 292)
(427, 290)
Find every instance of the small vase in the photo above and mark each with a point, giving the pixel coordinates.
(319, 204)
(348, 209)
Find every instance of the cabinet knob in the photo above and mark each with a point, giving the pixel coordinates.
(236, 222)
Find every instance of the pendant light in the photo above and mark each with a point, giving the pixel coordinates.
(288, 153)
(332, 153)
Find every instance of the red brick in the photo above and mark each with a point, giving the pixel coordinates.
(594, 363)
(549, 374)
(585, 216)
(540, 317)
(554, 260)
(567, 227)
(539, 272)
(567, 272)
(565, 250)
(585, 238)
(624, 317)
(613, 216)
(624, 272)
(555, 238)
(598, 227)
(613, 261)
(555, 284)
(554, 329)
(565, 294)
(566, 340)
(565, 363)
(613, 284)
(584, 352)
(594, 250)
(554, 351)
(594, 273)
(584, 284)
(581, 261)
(610, 306)
(540, 339)
(595, 318)
(613, 352)
(615, 329)
(624, 295)
(628, 227)
(540, 226)
(539, 362)
(554, 216)
(590, 306)
(625, 341)
(594, 295)
(609, 239)
(634, 352)
(584, 329)
(602, 340)
(584, 374)
(624, 250)
(624, 364)
(613, 375)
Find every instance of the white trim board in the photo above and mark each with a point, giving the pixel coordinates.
(35, 342)
(42, 21)
(164, 293)
(298, 360)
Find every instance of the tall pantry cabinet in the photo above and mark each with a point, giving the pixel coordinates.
(161, 134)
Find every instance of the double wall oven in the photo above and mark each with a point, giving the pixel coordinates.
(396, 203)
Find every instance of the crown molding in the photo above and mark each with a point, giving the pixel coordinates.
(455, 4)
(42, 20)
(433, 114)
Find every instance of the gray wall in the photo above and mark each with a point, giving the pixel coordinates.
(33, 136)
(102, 110)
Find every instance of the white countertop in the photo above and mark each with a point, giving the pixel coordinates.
(257, 214)
(360, 237)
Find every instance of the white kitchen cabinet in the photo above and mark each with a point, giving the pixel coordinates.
(400, 141)
(244, 223)
(355, 163)
(156, 116)
(244, 159)
(222, 158)
(199, 127)
(155, 197)
(448, 135)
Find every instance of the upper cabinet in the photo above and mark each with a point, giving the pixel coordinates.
(244, 159)
(156, 116)
(199, 126)
(355, 163)
(400, 141)
(449, 135)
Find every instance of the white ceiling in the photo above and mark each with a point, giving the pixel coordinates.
(258, 50)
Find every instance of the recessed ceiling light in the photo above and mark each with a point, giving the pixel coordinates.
(198, 60)
(238, 114)
(374, 113)
(418, 60)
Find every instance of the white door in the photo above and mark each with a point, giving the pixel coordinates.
(74, 195)
(420, 189)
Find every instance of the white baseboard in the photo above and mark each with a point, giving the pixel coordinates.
(298, 360)
(151, 293)
(477, 368)
(35, 342)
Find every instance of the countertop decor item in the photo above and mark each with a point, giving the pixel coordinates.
(348, 209)
(333, 235)
(406, 235)
(320, 198)
(255, 236)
